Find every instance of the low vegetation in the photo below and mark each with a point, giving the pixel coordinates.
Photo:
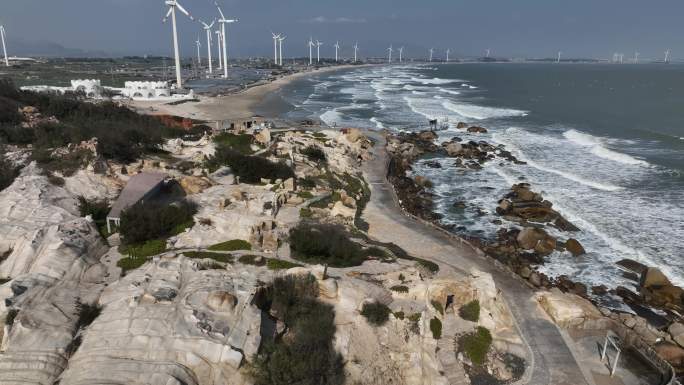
(279, 264)
(476, 345)
(314, 154)
(138, 254)
(218, 257)
(97, 210)
(233, 245)
(438, 306)
(254, 260)
(329, 245)
(149, 221)
(400, 288)
(241, 143)
(305, 355)
(250, 169)
(8, 171)
(436, 328)
(376, 313)
(122, 134)
(470, 311)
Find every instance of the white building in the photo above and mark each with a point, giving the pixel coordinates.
(146, 90)
(136, 90)
(90, 87)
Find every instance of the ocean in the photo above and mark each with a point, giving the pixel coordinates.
(604, 143)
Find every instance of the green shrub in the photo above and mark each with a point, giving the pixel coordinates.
(250, 169)
(279, 264)
(325, 244)
(8, 172)
(97, 209)
(307, 356)
(314, 154)
(376, 313)
(400, 288)
(438, 306)
(430, 266)
(145, 221)
(307, 183)
(9, 111)
(139, 254)
(241, 143)
(470, 311)
(225, 258)
(476, 345)
(399, 315)
(305, 195)
(249, 259)
(305, 212)
(233, 245)
(436, 328)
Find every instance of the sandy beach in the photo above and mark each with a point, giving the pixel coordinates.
(252, 101)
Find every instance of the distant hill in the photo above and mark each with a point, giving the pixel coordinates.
(48, 49)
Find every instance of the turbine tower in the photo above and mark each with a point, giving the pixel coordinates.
(199, 45)
(667, 56)
(432, 51)
(401, 54)
(223, 21)
(207, 27)
(275, 47)
(559, 56)
(487, 52)
(390, 49)
(4, 47)
(447, 54)
(337, 48)
(173, 5)
(280, 45)
(311, 45)
(356, 51)
(318, 51)
(636, 57)
(220, 50)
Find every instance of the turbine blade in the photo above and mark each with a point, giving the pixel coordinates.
(219, 9)
(168, 14)
(180, 8)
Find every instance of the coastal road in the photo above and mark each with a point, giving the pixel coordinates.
(552, 361)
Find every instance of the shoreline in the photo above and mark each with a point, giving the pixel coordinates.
(256, 100)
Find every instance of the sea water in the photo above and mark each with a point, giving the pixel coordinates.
(604, 143)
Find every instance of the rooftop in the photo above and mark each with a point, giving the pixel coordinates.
(136, 189)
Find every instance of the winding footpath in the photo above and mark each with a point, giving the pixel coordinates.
(552, 361)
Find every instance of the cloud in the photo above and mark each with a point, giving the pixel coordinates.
(339, 20)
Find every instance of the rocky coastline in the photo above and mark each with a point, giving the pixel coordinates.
(524, 239)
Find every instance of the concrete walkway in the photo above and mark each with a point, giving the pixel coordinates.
(552, 362)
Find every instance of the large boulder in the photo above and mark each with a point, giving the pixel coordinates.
(671, 353)
(532, 238)
(454, 149)
(573, 246)
(477, 129)
(194, 185)
(676, 331)
(653, 277)
(427, 136)
(567, 310)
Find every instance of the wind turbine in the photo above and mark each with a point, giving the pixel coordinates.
(559, 56)
(207, 27)
(356, 51)
(636, 57)
(311, 44)
(487, 52)
(318, 51)
(275, 47)
(280, 43)
(223, 21)
(4, 47)
(390, 49)
(220, 44)
(401, 54)
(199, 45)
(337, 48)
(432, 51)
(447, 54)
(173, 5)
(667, 56)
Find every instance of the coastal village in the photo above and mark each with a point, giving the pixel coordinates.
(256, 252)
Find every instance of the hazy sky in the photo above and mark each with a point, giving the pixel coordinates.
(539, 28)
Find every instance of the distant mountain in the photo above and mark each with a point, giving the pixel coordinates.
(48, 49)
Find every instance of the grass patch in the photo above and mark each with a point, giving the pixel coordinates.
(233, 245)
(306, 354)
(305, 212)
(218, 257)
(139, 254)
(241, 143)
(436, 328)
(254, 260)
(325, 244)
(470, 311)
(438, 306)
(430, 266)
(476, 345)
(376, 313)
(399, 315)
(400, 288)
(250, 169)
(279, 264)
(305, 195)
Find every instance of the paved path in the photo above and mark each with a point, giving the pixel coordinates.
(552, 360)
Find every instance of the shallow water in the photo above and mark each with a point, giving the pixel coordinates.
(605, 143)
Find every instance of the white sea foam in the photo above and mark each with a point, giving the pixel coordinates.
(446, 91)
(480, 112)
(433, 80)
(564, 174)
(412, 105)
(597, 148)
(378, 123)
(331, 117)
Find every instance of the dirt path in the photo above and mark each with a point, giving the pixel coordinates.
(553, 362)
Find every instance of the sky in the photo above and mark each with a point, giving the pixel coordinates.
(510, 28)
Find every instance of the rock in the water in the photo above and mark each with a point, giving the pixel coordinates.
(477, 129)
(676, 331)
(573, 246)
(462, 125)
(653, 277)
(671, 353)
